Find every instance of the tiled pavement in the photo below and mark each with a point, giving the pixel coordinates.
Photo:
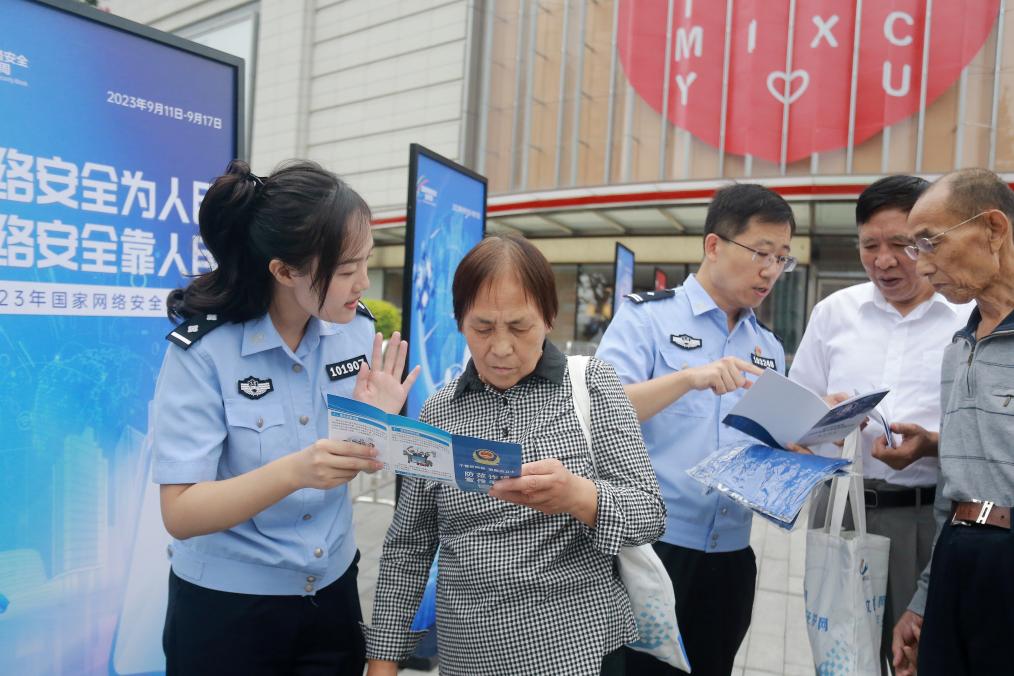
(776, 643)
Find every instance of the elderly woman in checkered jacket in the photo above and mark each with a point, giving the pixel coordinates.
(527, 583)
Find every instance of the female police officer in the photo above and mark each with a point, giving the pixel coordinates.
(263, 576)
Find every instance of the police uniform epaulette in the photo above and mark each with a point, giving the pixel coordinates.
(192, 330)
(777, 337)
(365, 311)
(648, 296)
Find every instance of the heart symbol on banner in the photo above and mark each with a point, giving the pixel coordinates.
(787, 78)
(816, 86)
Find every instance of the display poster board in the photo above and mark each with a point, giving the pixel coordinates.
(623, 275)
(111, 134)
(445, 218)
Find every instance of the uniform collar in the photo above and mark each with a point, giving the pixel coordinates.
(260, 334)
(551, 366)
(701, 302)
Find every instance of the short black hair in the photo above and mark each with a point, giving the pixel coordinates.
(975, 190)
(891, 192)
(733, 206)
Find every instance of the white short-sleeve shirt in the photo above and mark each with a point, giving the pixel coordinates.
(857, 341)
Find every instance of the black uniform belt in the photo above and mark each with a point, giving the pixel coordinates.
(906, 497)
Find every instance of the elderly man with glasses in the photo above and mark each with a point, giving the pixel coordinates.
(961, 618)
(684, 356)
(909, 323)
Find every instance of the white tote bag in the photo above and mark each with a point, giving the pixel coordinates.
(648, 585)
(845, 586)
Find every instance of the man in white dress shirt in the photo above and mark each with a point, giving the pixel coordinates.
(888, 332)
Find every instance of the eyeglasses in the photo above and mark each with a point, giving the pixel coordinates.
(927, 244)
(787, 263)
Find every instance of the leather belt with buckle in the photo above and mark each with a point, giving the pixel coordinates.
(908, 497)
(980, 513)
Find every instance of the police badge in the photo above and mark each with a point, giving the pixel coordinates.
(255, 388)
(685, 341)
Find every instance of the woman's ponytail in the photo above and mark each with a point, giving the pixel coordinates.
(299, 215)
(225, 217)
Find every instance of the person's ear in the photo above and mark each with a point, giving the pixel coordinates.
(998, 229)
(282, 273)
(711, 242)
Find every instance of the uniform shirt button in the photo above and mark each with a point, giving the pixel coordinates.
(725, 510)
(307, 517)
(303, 419)
(308, 588)
(260, 422)
(504, 401)
(311, 578)
(297, 368)
(318, 552)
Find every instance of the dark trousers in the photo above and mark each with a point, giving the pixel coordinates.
(714, 602)
(969, 621)
(614, 664)
(214, 632)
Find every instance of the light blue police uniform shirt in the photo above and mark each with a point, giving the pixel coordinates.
(205, 427)
(654, 338)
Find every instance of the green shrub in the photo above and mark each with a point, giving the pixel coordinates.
(387, 315)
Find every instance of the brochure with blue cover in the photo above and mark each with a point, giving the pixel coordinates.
(777, 412)
(411, 448)
(772, 482)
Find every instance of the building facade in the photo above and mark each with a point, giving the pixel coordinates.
(615, 120)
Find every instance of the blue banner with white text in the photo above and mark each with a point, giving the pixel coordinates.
(108, 142)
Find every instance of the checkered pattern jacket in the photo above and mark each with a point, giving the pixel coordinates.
(521, 592)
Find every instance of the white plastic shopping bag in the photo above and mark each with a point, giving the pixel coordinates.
(846, 581)
(652, 597)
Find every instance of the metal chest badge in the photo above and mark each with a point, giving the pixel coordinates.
(255, 388)
(685, 341)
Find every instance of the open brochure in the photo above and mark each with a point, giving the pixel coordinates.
(772, 482)
(411, 448)
(778, 412)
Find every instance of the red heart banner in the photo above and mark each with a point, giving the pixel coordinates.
(809, 79)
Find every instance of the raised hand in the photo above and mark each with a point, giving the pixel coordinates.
(381, 386)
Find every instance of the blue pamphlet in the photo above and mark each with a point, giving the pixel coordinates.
(411, 448)
(772, 482)
(777, 411)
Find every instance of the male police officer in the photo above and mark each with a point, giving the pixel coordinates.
(674, 351)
